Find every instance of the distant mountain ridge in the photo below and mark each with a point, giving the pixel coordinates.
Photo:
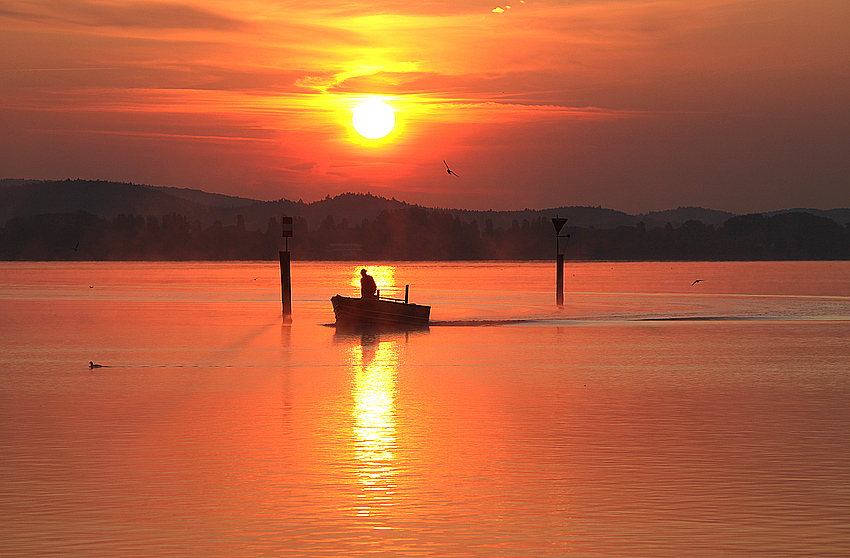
(684, 214)
(839, 215)
(21, 197)
(205, 198)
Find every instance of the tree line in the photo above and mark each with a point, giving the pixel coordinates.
(414, 233)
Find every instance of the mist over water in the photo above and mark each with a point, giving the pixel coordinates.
(647, 417)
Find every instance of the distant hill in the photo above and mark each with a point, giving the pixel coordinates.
(21, 197)
(677, 217)
(109, 199)
(205, 198)
(352, 208)
(104, 199)
(96, 220)
(840, 216)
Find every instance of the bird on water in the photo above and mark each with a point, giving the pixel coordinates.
(93, 365)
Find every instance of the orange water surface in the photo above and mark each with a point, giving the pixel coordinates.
(646, 417)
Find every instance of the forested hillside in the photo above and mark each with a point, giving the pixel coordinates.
(81, 220)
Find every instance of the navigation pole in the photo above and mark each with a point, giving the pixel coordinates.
(559, 222)
(285, 276)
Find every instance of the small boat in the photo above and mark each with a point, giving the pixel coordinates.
(379, 312)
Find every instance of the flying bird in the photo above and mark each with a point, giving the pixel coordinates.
(77, 247)
(448, 170)
(695, 282)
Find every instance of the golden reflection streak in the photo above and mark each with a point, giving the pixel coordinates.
(384, 276)
(374, 366)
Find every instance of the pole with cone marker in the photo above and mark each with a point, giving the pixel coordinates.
(559, 222)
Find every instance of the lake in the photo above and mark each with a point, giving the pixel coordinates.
(649, 416)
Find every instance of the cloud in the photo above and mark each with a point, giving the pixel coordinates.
(500, 10)
(147, 15)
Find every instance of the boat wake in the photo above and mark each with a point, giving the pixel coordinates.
(606, 319)
(704, 319)
(603, 319)
(477, 323)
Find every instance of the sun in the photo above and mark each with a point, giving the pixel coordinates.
(373, 119)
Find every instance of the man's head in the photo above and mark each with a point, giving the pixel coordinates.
(363, 272)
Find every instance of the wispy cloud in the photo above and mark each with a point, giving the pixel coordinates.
(150, 15)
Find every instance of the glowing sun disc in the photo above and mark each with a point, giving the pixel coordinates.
(373, 119)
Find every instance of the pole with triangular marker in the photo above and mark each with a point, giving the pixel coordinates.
(559, 223)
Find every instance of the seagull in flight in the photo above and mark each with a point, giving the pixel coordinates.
(448, 170)
(695, 282)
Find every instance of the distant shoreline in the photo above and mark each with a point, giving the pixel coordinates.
(106, 221)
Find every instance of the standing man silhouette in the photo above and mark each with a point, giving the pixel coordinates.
(368, 288)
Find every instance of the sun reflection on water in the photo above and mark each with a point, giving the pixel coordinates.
(384, 276)
(374, 367)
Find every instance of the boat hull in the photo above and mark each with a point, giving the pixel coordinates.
(360, 312)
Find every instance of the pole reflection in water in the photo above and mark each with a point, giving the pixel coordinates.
(374, 364)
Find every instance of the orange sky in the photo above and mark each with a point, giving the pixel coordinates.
(634, 105)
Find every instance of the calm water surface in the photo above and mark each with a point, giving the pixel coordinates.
(648, 417)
